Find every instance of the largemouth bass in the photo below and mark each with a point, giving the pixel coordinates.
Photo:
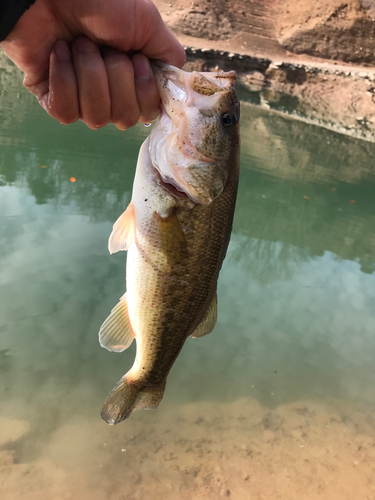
(176, 231)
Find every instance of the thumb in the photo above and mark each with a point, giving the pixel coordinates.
(159, 42)
(134, 25)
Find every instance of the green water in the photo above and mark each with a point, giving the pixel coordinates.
(296, 321)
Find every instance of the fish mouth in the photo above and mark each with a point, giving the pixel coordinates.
(178, 88)
(205, 83)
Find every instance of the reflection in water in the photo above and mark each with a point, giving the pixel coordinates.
(285, 399)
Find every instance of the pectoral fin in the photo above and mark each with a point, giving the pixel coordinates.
(122, 235)
(116, 333)
(209, 321)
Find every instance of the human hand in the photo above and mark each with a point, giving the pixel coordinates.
(56, 43)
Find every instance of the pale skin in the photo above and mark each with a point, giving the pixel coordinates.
(89, 59)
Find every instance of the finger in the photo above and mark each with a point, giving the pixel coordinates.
(158, 41)
(61, 101)
(93, 91)
(168, 50)
(125, 111)
(146, 90)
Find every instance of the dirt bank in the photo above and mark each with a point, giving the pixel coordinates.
(342, 30)
(313, 61)
(332, 29)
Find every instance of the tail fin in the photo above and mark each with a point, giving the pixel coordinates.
(127, 397)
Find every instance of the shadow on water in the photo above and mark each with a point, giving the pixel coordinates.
(296, 293)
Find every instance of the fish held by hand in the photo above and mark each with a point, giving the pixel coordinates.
(176, 231)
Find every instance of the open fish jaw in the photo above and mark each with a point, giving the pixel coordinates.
(205, 83)
(194, 157)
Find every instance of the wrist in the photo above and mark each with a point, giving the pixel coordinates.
(10, 13)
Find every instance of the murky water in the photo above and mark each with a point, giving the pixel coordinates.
(278, 402)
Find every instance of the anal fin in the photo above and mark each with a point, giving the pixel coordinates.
(209, 321)
(116, 333)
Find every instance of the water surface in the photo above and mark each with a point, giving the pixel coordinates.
(278, 402)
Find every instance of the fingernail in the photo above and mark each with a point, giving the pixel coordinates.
(142, 69)
(83, 44)
(62, 52)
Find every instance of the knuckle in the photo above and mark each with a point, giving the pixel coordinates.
(120, 127)
(66, 120)
(149, 117)
(101, 125)
(84, 44)
(62, 114)
(90, 125)
(95, 125)
(40, 90)
(89, 67)
(124, 123)
(45, 103)
(63, 118)
(97, 116)
(118, 61)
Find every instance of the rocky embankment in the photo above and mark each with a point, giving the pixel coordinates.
(312, 60)
(342, 30)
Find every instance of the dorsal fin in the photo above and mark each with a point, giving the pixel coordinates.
(122, 235)
(116, 333)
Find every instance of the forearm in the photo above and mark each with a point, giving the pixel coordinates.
(10, 12)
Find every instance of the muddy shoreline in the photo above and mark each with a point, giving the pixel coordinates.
(200, 451)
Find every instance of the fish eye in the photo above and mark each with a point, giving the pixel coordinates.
(229, 119)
